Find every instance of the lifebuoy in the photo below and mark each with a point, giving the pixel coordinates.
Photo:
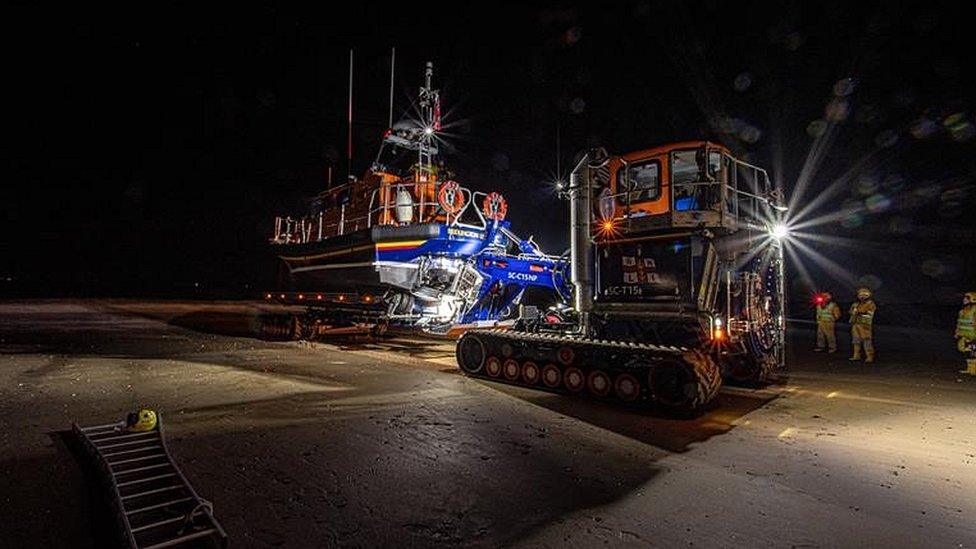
(450, 197)
(495, 207)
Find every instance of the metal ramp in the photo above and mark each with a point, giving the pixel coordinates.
(153, 504)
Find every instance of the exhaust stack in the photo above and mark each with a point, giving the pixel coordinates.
(581, 247)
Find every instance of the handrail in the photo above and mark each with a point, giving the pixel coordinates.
(314, 227)
(729, 202)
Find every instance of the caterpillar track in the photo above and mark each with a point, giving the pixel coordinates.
(676, 379)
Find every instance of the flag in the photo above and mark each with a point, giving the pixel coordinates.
(639, 271)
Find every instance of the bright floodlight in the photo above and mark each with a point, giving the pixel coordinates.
(779, 231)
(428, 130)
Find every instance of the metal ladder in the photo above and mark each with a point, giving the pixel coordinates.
(153, 504)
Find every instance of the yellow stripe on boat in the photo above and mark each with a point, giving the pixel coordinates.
(401, 245)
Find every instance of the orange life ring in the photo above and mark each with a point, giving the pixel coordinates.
(450, 197)
(495, 207)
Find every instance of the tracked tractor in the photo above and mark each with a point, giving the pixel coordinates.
(677, 284)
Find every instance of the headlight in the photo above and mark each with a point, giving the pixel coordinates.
(779, 231)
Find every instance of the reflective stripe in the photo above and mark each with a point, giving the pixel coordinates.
(863, 313)
(826, 314)
(966, 323)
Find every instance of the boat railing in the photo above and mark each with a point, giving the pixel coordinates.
(419, 207)
(383, 210)
(315, 227)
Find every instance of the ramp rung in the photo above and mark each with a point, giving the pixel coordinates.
(133, 460)
(119, 445)
(157, 506)
(137, 469)
(157, 524)
(147, 479)
(122, 436)
(183, 539)
(120, 452)
(151, 492)
(100, 427)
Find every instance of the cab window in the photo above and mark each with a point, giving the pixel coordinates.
(691, 189)
(684, 166)
(641, 181)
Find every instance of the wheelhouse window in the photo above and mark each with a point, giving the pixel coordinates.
(641, 181)
(695, 186)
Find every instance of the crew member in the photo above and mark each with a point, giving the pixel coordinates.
(827, 314)
(862, 322)
(966, 332)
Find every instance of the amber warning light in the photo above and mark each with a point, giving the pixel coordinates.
(718, 334)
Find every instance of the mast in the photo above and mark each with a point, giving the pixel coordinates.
(559, 168)
(392, 72)
(430, 120)
(349, 135)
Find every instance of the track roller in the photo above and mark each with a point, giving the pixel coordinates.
(672, 378)
(493, 366)
(530, 372)
(552, 376)
(471, 354)
(626, 387)
(598, 382)
(574, 379)
(511, 369)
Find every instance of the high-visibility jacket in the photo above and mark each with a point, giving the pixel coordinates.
(862, 312)
(966, 322)
(828, 313)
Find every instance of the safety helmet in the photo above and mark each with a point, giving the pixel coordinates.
(863, 293)
(143, 420)
(969, 297)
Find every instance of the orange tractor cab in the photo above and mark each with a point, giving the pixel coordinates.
(680, 185)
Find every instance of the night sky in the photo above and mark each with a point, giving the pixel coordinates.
(149, 149)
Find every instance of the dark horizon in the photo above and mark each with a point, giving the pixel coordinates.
(153, 151)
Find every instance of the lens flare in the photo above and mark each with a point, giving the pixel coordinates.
(779, 231)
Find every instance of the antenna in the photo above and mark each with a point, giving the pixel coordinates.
(349, 136)
(559, 172)
(430, 120)
(392, 71)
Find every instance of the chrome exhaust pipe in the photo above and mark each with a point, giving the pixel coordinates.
(581, 247)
